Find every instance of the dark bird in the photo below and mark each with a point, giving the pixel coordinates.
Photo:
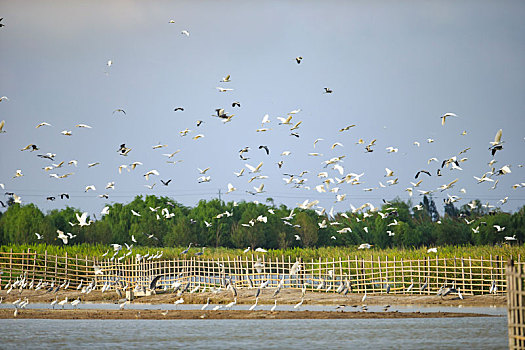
(298, 59)
(123, 150)
(62, 195)
(105, 196)
(32, 146)
(265, 148)
(119, 110)
(280, 164)
(9, 194)
(369, 148)
(185, 251)
(495, 148)
(47, 156)
(178, 109)
(327, 90)
(2, 204)
(165, 183)
(50, 198)
(1, 24)
(153, 283)
(294, 134)
(199, 122)
(438, 172)
(236, 104)
(221, 113)
(424, 172)
(244, 150)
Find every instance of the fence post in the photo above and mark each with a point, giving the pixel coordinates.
(11, 264)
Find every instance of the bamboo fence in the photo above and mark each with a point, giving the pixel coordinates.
(516, 305)
(373, 275)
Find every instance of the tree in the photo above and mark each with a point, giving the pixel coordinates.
(308, 230)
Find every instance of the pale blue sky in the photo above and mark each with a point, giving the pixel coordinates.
(394, 67)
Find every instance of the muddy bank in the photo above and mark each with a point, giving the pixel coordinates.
(217, 315)
(247, 296)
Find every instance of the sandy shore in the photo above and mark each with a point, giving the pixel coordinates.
(217, 315)
(247, 296)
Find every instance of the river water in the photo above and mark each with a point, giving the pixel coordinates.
(431, 333)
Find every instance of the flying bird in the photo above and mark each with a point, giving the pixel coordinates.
(265, 148)
(298, 59)
(327, 90)
(445, 116)
(83, 126)
(120, 110)
(422, 171)
(42, 124)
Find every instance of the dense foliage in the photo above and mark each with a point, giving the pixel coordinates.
(165, 223)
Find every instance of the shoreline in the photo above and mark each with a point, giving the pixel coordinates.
(92, 314)
(247, 296)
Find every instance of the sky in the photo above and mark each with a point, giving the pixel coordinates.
(394, 68)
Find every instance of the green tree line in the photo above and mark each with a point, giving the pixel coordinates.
(163, 222)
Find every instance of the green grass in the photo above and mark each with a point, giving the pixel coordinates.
(307, 254)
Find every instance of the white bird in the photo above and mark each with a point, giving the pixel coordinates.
(151, 172)
(135, 213)
(254, 169)
(105, 210)
(365, 246)
(261, 250)
(259, 189)
(432, 250)
(75, 302)
(90, 187)
(513, 238)
(499, 228)
(274, 306)
(38, 236)
(389, 172)
(62, 236)
(206, 305)
(298, 305)
(229, 305)
(83, 126)
(185, 32)
(254, 305)
(445, 116)
(497, 138)
(391, 149)
(54, 302)
(82, 219)
(42, 124)
(221, 89)
(63, 302)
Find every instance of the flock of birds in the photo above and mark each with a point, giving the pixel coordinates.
(332, 177)
(181, 286)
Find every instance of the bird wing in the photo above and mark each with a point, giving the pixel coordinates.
(497, 138)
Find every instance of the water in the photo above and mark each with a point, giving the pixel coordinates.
(444, 333)
(496, 311)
